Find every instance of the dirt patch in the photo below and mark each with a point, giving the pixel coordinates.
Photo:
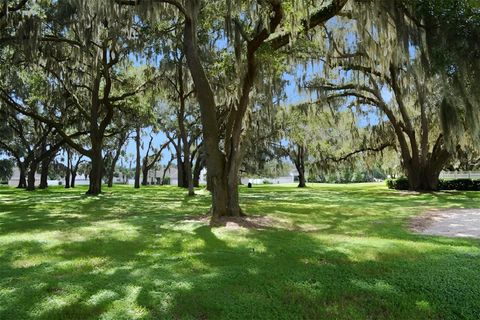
(250, 222)
(449, 223)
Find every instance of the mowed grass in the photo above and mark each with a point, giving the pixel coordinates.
(137, 254)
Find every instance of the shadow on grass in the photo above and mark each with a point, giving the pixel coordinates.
(126, 255)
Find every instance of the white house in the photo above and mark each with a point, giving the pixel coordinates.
(15, 179)
(291, 178)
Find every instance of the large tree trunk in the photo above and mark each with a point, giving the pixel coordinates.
(22, 180)
(95, 187)
(138, 164)
(422, 179)
(44, 173)
(215, 158)
(232, 185)
(302, 183)
(72, 179)
(423, 175)
(426, 177)
(220, 197)
(31, 176)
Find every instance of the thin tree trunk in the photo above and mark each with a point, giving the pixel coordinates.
(169, 164)
(300, 164)
(145, 172)
(138, 164)
(74, 170)
(180, 164)
(72, 179)
(113, 166)
(197, 170)
(69, 168)
(110, 179)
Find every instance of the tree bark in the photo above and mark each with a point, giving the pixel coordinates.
(110, 178)
(95, 187)
(145, 172)
(169, 164)
(44, 173)
(31, 176)
(223, 167)
(22, 181)
(424, 175)
(69, 169)
(300, 165)
(302, 183)
(206, 100)
(73, 176)
(138, 161)
(74, 170)
(422, 179)
(180, 164)
(232, 185)
(197, 170)
(188, 179)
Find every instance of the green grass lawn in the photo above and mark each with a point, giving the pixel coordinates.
(132, 254)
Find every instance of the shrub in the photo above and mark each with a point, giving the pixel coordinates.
(166, 181)
(398, 184)
(459, 184)
(455, 184)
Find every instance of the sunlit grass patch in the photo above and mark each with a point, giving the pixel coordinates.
(342, 252)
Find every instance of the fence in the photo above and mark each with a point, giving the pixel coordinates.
(460, 175)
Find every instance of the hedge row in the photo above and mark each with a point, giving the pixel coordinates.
(455, 184)
(397, 184)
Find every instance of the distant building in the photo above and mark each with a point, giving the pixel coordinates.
(15, 179)
(292, 177)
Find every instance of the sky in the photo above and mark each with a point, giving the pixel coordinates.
(293, 96)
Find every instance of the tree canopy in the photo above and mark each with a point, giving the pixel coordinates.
(237, 87)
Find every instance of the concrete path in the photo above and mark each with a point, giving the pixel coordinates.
(449, 223)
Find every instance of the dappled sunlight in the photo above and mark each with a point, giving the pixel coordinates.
(335, 249)
(60, 298)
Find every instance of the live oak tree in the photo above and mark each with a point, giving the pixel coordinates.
(180, 116)
(6, 169)
(388, 58)
(325, 139)
(296, 125)
(33, 143)
(83, 49)
(452, 44)
(250, 30)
